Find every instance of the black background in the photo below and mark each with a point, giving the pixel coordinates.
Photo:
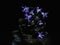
(9, 18)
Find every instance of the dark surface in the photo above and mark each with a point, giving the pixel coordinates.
(10, 20)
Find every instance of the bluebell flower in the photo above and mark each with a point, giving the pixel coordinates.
(25, 9)
(28, 17)
(44, 14)
(31, 12)
(38, 10)
(40, 23)
(40, 35)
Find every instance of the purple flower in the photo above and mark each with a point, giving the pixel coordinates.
(40, 35)
(38, 10)
(31, 12)
(28, 17)
(40, 22)
(25, 9)
(44, 14)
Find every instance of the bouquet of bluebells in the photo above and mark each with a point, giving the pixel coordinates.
(32, 27)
